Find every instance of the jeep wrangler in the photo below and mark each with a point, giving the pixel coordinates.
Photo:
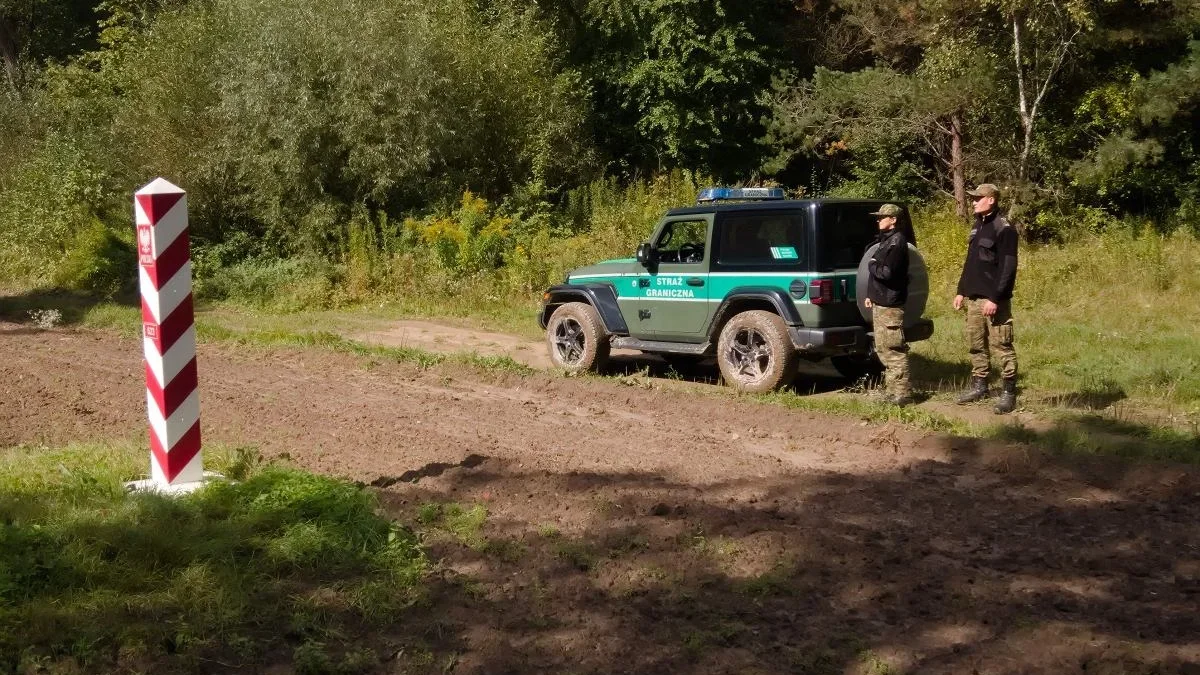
(746, 276)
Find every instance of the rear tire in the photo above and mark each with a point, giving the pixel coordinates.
(755, 353)
(576, 338)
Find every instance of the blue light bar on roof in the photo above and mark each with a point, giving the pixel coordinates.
(715, 194)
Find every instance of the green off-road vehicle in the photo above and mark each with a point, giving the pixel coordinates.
(747, 277)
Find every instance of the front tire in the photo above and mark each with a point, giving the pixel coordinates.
(755, 353)
(576, 338)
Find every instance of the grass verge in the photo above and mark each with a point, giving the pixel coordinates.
(281, 567)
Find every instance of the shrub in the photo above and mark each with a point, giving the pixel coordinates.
(287, 121)
(99, 262)
(287, 284)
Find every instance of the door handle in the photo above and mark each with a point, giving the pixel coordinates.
(695, 281)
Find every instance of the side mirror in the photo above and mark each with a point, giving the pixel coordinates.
(645, 254)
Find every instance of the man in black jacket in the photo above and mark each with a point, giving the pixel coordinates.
(986, 288)
(887, 291)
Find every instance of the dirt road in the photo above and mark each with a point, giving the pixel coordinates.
(651, 530)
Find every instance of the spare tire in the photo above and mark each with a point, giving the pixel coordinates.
(918, 285)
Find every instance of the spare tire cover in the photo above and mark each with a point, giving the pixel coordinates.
(918, 285)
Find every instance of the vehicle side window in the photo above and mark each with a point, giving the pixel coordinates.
(682, 242)
(762, 239)
(847, 230)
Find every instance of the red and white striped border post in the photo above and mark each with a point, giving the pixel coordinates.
(168, 337)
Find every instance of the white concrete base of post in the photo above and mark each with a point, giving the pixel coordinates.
(147, 485)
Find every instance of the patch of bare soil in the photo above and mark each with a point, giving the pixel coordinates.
(448, 339)
(646, 530)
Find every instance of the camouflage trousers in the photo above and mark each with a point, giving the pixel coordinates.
(891, 347)
(991, 332)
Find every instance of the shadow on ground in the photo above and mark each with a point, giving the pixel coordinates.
(1087, 399)
(71, 307)
(991, 561)
(1091, 434)
(933, 374)
(813, 377)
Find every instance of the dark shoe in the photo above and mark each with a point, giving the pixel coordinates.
(977, 392)
(1008, 398)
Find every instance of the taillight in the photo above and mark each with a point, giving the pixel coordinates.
(820, 291)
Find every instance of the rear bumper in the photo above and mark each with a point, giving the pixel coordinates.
(841, 339)
(846, 339)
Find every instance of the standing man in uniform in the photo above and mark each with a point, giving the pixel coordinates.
(986, 288)
(887, 291)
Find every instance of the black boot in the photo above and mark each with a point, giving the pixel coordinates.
(978, 391)
(1008, 398)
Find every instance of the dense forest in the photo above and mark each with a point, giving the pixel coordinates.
(482, 134)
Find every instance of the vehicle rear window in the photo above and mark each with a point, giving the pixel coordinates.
(845, 231)
(762, 239)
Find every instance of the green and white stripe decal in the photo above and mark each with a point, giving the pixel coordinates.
(673, 287)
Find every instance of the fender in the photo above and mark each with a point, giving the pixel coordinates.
(600, 296)
(778, 298)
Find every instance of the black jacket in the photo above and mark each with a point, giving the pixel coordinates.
(990, 270)
(888, 282)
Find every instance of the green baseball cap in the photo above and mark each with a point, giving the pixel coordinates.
(985, 190)
(888, 211)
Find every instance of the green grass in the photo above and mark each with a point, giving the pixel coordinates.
(515, 316)
(93, 578)
(580, 555)
(213, 332)
(863, 407)
(463, 524)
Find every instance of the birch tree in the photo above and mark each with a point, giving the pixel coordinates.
(1044, 35)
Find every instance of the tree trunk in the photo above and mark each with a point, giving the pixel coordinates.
(8, 50)
(1026, 144)
(956, 165)
(1022, 99)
